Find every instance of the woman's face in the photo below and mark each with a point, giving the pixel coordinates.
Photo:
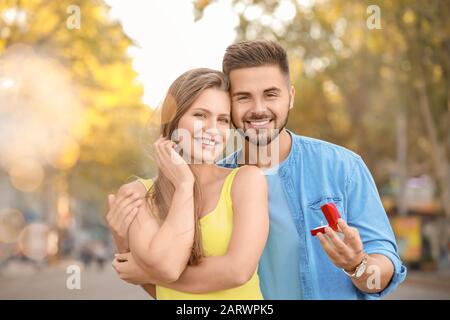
(205, 127)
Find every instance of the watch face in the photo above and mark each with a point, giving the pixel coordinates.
(360, 270)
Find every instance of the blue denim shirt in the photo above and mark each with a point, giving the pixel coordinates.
(314, 173)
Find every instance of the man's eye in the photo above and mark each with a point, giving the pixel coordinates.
(271, 95)
(242, 98)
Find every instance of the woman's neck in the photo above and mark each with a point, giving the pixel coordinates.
(205, 173)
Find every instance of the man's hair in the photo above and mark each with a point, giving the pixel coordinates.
(255, 53)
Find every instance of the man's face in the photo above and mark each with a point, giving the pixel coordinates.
(261, 100)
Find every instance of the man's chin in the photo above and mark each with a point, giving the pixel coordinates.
(261, 139)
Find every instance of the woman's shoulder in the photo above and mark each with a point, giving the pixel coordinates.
(139, 186)
(249, 171)
(249, 178)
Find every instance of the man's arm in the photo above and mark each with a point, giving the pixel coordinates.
(348, 254)
(370, 233)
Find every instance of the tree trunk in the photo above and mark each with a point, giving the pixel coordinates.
(438, 155)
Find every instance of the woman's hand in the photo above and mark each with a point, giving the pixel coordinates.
(129, 271)
(122, 210)
(171, 164)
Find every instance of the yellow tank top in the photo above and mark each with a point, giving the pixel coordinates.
(216, 228)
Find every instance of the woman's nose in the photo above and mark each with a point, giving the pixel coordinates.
(210, 124)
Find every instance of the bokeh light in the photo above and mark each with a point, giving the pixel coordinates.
(12, 222)
(26, 175)
(38, 127)
(37, 241)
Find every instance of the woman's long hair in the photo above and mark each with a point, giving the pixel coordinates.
(181, 95)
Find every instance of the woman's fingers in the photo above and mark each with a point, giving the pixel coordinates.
(165, 148)
(158, 153)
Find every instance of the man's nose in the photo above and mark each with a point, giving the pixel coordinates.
(259, 106)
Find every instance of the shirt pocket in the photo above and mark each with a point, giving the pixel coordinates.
(317, 218)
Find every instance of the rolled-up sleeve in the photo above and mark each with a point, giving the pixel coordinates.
(366, 213)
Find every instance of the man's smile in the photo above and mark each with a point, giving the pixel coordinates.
(259, 123)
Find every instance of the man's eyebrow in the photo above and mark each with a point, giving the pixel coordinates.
(245, 93)
(272, 89)
(241, 93)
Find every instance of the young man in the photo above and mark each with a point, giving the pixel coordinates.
(302, 174)
(308, 173)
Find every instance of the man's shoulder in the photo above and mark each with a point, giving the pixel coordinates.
(320, 148)
(229, 161)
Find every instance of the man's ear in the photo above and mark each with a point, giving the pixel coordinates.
(291, 97)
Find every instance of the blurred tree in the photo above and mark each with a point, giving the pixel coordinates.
(106, 145)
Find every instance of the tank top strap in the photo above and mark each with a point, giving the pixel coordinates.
(146, 182)
(227, 186)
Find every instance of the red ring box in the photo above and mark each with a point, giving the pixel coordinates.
(332, 215)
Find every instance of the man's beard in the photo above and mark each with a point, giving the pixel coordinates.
(264, 137)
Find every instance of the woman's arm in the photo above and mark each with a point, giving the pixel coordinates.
(250, 230)
(163, 251)
(166, 249)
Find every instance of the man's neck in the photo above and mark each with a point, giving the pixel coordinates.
(269, 155)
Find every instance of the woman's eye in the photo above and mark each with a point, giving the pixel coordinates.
(199, 115)
(225, 120)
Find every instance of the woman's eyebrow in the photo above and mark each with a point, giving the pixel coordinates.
(201, 109)
(209, 112)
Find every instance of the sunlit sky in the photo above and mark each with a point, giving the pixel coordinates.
(169, 40)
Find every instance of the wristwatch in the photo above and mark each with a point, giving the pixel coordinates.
(360, 268)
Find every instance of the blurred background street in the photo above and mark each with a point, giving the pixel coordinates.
(24, 282)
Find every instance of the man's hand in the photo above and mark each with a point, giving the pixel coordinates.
(129, 271)
(346, 254)
(121, 212)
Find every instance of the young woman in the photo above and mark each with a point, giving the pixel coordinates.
(197, 230)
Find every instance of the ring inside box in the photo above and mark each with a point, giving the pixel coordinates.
(332, 215)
